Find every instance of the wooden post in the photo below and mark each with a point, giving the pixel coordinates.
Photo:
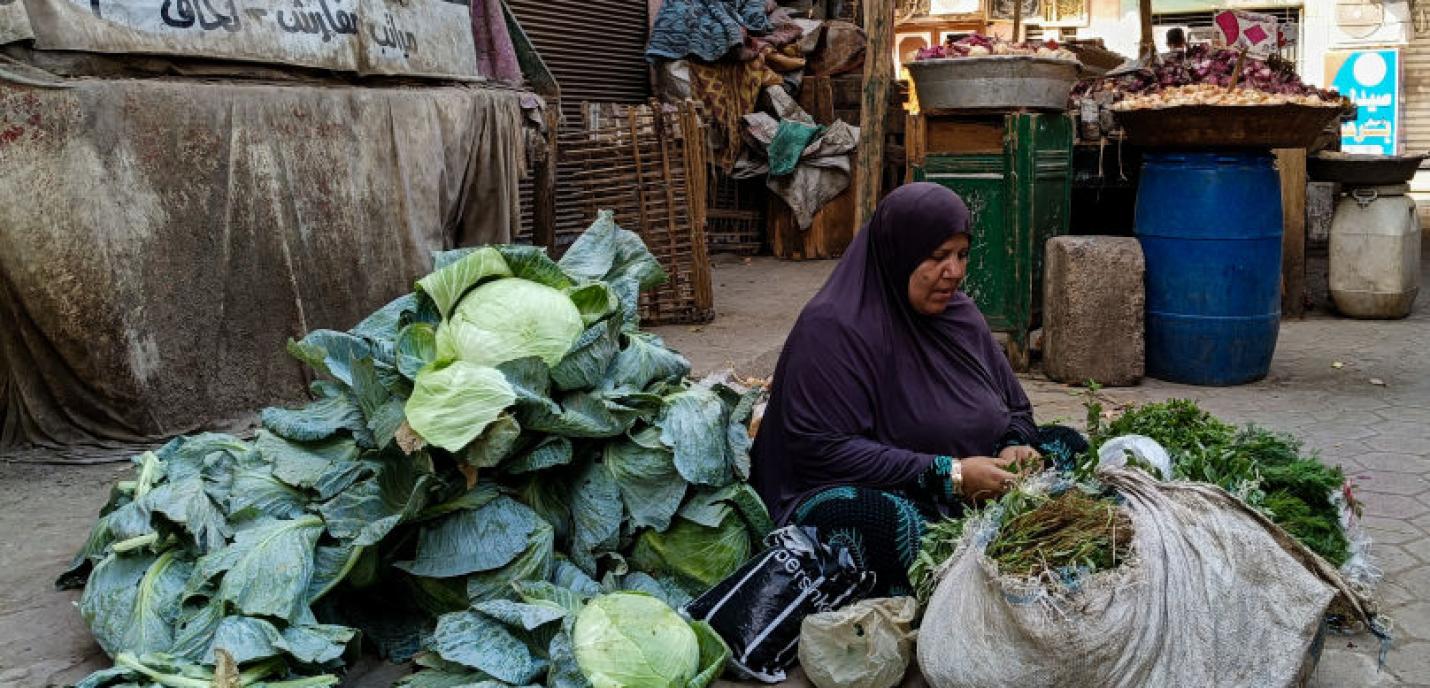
(878, 74)
(1148, 48)
(543, 211)
(1017, 20)
(1292, 162)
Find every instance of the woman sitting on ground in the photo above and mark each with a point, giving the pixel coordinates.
(892, 403)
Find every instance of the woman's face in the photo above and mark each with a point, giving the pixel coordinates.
(938, 278)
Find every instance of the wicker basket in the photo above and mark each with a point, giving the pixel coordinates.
(647, 164)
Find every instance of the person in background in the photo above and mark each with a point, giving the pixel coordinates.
(1176, 41)
(891, 403)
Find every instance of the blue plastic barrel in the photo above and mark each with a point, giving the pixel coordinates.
(1210, 228)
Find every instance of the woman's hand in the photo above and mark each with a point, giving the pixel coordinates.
(1022, 459)
(984, 478)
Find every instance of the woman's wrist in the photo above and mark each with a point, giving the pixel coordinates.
(955, 478)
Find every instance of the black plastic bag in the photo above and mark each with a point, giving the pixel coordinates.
(758, 609)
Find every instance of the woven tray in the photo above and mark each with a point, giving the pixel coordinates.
(1227, 126)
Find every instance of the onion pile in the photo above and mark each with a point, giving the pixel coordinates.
(982, 46)
(1215, 66)
(1209, 94)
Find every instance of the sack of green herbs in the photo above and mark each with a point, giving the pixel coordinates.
(1119, 579)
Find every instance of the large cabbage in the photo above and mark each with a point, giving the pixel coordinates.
(508, 319)
(633, 640)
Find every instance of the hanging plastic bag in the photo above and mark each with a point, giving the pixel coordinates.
(1114, 452)
(758, 609)
(865, 645)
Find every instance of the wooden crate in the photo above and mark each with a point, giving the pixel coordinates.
(831, 233)
(735, 218)
(647, 164)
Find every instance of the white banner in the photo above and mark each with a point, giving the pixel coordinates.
(410, 37)
(14, 22)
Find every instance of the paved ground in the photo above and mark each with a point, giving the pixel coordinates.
(1377, 431)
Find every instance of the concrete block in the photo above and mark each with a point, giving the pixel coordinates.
(1094, 306)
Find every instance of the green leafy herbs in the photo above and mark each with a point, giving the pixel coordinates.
(1270, 471)
(1067, 532)
(479, 454)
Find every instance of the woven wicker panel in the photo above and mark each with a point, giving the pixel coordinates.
(648, 164)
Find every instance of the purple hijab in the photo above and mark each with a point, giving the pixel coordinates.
(867, 390)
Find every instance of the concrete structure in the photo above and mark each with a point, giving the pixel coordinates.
(1094, 305)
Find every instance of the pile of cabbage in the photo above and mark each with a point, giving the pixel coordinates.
(487, 463)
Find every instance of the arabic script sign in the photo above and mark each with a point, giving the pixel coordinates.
(413, 37)
(1371, 79)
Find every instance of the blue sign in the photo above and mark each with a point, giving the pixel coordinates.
(1371, 79)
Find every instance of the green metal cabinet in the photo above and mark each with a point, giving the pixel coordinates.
(1019, 197)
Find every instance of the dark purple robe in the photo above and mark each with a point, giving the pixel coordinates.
(867, 391)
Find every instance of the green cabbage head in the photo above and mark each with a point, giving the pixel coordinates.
(633, 640)
(508, 319)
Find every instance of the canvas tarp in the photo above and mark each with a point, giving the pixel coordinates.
(14, 22)
(160, 241)
(430, 38)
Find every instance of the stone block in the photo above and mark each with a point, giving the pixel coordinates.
(1094, 310)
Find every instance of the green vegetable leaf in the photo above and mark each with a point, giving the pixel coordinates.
(697, 556)
(268, 567)
(596, 511)
(532, 263)
(331, 353)
(367, 511)
(553, 450)
(448, 284)
(580, 414)
(382, 409)
(451, 406)
(694, 425)
(301, 464)
(522, 615)
(534, 564)
(382, 327)
(317, 644)
(647, 478)
(132, 601)
(633, 640)
(195, 628)
(334, 411)
(645, 360)
(565, 671)
(416, 348)
(470, 541)
(246, 639)
(507, 320)
(475, 641)
(495, 443)
(186, 502)
(590, 357)
(596, 301)
(714, 653)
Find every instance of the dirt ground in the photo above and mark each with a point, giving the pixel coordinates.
(1376, 431)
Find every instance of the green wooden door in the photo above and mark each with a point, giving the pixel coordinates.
(983, 181)
(1019, 199)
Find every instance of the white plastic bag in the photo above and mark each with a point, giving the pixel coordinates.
(1215, 595)
(865, 645)
(1145, 449)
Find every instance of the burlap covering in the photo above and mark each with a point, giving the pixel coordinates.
(161, 240)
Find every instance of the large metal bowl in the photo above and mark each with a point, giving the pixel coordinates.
(1363, 170)
(1226, 126)
(993, 82)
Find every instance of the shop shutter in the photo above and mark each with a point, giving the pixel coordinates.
(594, 48)
(1415, 110)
